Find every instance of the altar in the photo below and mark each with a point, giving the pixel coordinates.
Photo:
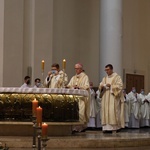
(60, 109)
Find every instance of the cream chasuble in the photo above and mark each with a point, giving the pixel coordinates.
(82, 81)
(56, 81)
(112, 103)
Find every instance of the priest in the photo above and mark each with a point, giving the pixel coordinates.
(112, 101)
(81, 81)
(56, 78)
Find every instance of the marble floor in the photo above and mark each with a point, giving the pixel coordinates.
(126, 139)
(129, 148)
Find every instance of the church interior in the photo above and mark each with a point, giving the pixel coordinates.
(93, 33)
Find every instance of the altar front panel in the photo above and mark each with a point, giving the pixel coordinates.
(59, 105)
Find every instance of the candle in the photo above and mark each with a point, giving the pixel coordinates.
(39, 116)
(34, 106)
(44, 130)
(43, 65)
(64, 63)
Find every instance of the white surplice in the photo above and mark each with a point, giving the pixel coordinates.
(126, 110)
(145, 110)
(134, 110)
(98, 110)
(92, 120)
(25, 85)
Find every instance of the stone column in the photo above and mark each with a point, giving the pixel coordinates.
(11, 42)
(1, 40)
(38, 37)
(111, 35)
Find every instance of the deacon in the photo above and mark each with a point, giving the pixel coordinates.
(56, 78)
(112, 101)
(81, 81)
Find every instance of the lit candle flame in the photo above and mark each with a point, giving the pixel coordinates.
(43, 62)
(64, 63)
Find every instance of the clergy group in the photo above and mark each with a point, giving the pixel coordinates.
(109, 108)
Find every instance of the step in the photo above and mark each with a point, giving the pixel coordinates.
(87, 140)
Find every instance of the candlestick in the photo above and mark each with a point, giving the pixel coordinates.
(39, 138)
(64, 64)
(64, 67)
(44, 130)
(39, 116)
(43, 63)
(34, 106)
(44, 144)
(34, 132)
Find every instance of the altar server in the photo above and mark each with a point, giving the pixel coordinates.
(26, 83)
(37, 83)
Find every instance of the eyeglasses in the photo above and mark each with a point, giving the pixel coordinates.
(107, 69)
(53, 69)
(77, 68)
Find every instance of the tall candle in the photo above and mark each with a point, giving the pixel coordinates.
(39, 116)
(43, 62)
(64, 63)
(44, 130)
(34, 106)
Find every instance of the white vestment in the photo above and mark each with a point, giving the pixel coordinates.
(35, 87)
(82, 81)
(134, 110)
(25, 85)
(112, 103)
(145, 111)
(98, 110)
(91, 122)
(126, 110)
(56, 81)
